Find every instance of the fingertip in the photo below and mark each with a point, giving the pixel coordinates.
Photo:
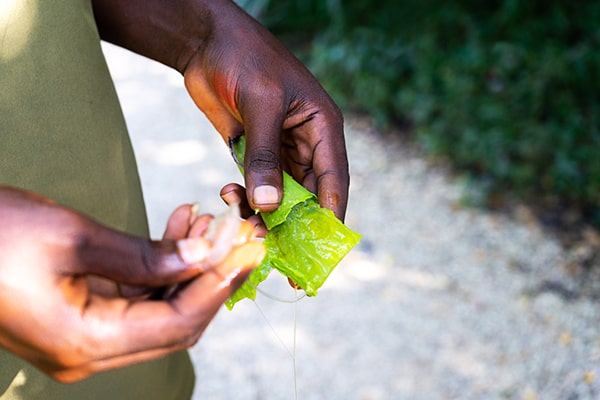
(239, 264)
(333, 197)
(200, 225)
(246, 257)
(194, 250)
(178, 222)
(232, 193)
(255, 253)
(184, 211)
(246, 232)
(263, 176)
(259, 225)
(332, 203)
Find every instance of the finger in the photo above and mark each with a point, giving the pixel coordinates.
(179, 222)
(236, 194)
(200, 225)
(330, 163)
(108, 288)
(195, 250)
(102, 286)
(129, 329)
(72, 374)
(260, 229)
(262, 169)
(332, 189)
(130, 260)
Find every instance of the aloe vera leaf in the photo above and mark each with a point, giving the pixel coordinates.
(305, 242)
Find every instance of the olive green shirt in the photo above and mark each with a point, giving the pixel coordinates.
(63, 135)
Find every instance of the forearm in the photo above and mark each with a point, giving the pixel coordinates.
(168, 31)
(158, 29)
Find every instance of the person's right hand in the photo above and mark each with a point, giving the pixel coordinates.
(246, 82)
(50, 317)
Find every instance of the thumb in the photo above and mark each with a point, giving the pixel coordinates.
(262, 166)
(133, 260)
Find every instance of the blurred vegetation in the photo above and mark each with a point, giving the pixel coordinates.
(508, 90)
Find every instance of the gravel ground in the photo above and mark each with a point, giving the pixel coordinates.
(439, 301)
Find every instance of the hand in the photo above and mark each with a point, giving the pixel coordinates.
(51, 318)
(246, 82)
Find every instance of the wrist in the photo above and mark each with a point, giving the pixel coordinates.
(170, 32)
(226, 24)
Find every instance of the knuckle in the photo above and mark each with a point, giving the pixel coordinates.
(62, 366)
(69, 375)
(262, 159)
(190, 334)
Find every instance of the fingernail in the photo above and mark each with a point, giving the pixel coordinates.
(231, 197)
(265, 194)
(194, 212)
(193, 250)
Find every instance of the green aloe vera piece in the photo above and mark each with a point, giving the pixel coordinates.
(305, 242)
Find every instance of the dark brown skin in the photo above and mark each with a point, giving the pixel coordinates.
(245, 81)
(55, 313)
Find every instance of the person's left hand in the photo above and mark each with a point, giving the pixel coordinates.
(182, 223)
(54, 318)
(247, 82)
